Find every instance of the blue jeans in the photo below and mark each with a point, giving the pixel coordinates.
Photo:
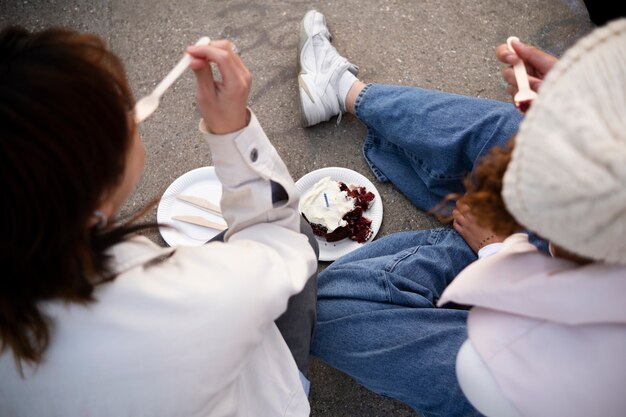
(376, 313)
(425, 141)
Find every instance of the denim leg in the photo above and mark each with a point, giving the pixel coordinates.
(377, 319)
(426, 141)
(297, 323)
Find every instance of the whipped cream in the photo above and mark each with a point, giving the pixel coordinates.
(313, 204)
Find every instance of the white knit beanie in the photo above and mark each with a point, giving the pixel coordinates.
(567, 177)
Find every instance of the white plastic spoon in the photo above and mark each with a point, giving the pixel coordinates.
(148, 104)
(524, 95)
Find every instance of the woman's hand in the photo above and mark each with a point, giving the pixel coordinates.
(476, 236)
(223, 104)
(538, 64)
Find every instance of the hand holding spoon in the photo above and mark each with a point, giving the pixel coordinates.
(148, 104)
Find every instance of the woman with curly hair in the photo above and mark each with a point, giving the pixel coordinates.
(546, 335)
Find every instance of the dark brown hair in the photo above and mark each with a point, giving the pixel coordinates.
(483, 192)
(64, 135)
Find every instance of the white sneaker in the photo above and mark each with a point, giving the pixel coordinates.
(321, 67)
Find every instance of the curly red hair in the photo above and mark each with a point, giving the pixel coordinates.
(483, 193)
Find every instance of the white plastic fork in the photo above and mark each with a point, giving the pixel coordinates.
(148, 104)
(524, 95)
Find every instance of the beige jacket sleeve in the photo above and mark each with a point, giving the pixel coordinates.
(262, 235)
(246, 163)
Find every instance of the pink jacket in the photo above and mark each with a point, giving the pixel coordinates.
(552, 333)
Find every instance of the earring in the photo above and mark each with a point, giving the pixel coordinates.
(102, 219)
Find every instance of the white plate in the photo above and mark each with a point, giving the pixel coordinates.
(200, 182)
(329, 251)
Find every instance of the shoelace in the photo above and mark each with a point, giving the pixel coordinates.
(340, 111)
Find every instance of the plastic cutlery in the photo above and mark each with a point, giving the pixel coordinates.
(200, 221)
(524, 95)
(148, 104)
(201, 203)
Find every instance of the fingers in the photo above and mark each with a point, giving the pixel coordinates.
(221, 52)
(458, 221)
(463, 208)
(204, 76)
(230, 47)
(466, 224)
(504, 55)
(535, 83)
(458, 228)
(540, 62)
(509, 77)
(537, 63)
(458, 217)
(223, 103)
(511, 90)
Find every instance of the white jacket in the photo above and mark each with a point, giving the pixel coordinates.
(185, 331)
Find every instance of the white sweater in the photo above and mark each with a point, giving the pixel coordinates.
(191, 334)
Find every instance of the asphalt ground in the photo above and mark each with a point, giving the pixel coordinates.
(443, 45)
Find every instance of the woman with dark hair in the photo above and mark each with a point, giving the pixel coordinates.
(95, 320)
(546, 335)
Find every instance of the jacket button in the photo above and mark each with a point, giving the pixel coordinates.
(254, 155)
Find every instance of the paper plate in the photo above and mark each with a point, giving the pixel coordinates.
(200, 182)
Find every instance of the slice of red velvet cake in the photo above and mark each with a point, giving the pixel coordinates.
(335, 210)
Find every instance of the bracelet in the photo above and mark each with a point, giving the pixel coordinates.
(485, 240)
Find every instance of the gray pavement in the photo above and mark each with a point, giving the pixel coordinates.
(444, 45)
